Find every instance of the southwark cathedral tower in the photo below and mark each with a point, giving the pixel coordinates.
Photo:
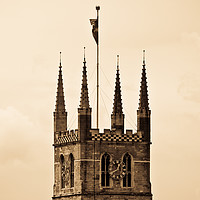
(93, 165)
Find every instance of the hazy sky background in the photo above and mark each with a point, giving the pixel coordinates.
(32, 35)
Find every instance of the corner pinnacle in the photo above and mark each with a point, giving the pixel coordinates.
(60, 102)
(143, 101)
(84, 103)
(117, 105)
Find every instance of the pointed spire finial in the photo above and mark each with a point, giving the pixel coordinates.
(143, 57)
(84, 56)
(60, 59)
(117, 62)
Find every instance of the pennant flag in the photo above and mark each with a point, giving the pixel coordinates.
(94, 23)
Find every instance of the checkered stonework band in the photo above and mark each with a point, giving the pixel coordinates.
(67, 138)
(116, 138)
(100, 137)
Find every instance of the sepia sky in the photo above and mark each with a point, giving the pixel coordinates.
(33, 33)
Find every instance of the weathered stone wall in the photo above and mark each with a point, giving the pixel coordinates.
(88, 153)
(140, 166)
(74, 149)
(60, 121)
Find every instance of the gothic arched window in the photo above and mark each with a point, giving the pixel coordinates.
(105, 177)
(127, 177)
(62, 166)
(71, 157)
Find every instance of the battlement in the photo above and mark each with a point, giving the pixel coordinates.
(64, 137)
(116, 136)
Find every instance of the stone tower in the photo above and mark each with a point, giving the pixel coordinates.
(92, 165)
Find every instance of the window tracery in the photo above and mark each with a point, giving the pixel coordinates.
(71, 157)
(105, 177)
(127, 177)
(62, 164)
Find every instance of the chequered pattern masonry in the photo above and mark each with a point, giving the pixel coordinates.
(116, 138)
(67, 138)
(101, 137)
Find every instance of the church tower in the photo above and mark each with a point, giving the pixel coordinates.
(94, 165)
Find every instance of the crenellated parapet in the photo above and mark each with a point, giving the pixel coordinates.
(116, 136)
(64, 137)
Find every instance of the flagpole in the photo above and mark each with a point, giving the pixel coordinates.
(98, 8)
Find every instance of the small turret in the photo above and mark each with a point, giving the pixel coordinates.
(143, 112)
(84, 110)
(117, 116)
(60, 114)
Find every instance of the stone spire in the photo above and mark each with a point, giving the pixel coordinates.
(84, 110)
(84, 102)
(117, 117)
(60, 114)
(117, 105)
(143, 112)
(143, 101)
(60, 101)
